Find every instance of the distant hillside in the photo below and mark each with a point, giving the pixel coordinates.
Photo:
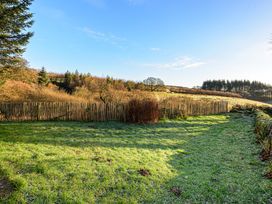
(184, 90)
(19, 85)
(19, 91)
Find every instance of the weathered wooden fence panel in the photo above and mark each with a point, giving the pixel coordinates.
(193, 108)
(46, 111)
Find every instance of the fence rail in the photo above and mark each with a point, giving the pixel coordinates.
(46, 111)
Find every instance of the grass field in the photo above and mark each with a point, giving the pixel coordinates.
(211, 159)
(231, 100)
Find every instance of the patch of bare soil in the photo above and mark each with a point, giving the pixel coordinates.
(144, 172)
(176, 191)
(6, 188)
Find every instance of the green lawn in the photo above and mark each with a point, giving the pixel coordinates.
(211, 159)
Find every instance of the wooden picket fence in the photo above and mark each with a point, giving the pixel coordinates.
(173, 109)
(47, 111)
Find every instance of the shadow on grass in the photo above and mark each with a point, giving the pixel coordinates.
(165, 135)
(221, 166)
(216, 168)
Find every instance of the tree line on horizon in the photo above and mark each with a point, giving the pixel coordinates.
(250, 89)
(235, 85)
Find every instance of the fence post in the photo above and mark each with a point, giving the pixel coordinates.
(38, 111)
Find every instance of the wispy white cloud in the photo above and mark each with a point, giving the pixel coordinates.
(155, 49)
(105, 37)
(178, 64)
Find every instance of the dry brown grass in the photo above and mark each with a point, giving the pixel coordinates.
(18, 91)
(118, 96)
(19, 74)
(124, 96)
(115, 96)
(232, 101)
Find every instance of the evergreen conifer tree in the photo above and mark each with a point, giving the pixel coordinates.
(15, 19)
(43, 78)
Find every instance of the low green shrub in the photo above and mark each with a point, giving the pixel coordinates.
(263, 125)
(249, 109)
(266, 149)
(263, 129)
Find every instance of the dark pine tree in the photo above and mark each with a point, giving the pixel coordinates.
(68, 82)
(43, 78)
(15, 19)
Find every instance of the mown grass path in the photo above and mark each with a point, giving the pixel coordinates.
(211, 159)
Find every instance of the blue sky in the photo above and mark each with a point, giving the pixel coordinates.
(184, 42)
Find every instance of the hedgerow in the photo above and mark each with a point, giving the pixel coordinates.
(263, 129)
(263, 125)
